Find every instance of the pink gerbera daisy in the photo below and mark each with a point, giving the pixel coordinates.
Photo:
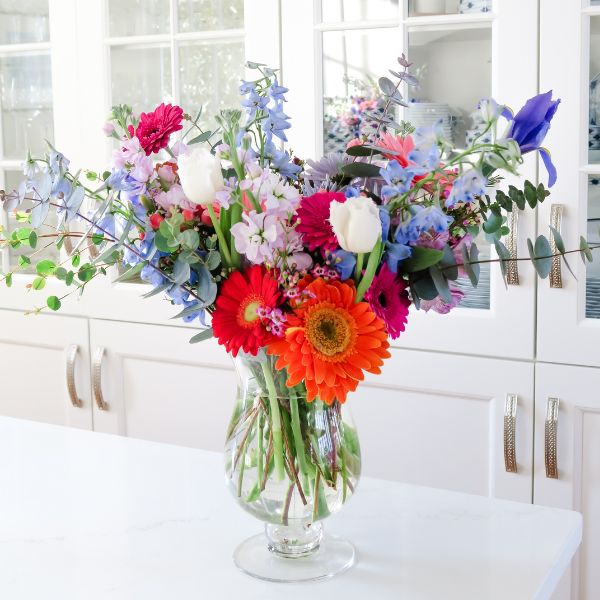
(155, 128)
(313, 220)
(389, 300)
(401, 146)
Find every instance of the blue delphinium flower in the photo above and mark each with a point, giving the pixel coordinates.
(277, 91)
(344, 262)
(427, 219)
(152, 276)
(395, 253)
(281, 161)
(254, 102)
(276, 123)
(398, 178)
(530, 126)
(428, 158)
(466, 188)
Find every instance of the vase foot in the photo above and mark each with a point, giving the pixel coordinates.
(334, 555)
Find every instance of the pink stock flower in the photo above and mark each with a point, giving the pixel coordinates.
(313, 220)
(155, 128)
(443, 308)
(258, 236)
(389, 300)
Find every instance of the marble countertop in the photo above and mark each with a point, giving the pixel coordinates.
(87, 515)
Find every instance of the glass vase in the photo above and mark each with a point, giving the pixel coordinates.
(289, 463)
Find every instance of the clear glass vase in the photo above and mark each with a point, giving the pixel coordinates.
(290, 463)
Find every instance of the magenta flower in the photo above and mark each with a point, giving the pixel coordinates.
(313, 220)
(389, 300)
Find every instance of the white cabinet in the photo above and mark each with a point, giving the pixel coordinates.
(37, 383)
(569, 313)
(157, 386)
(438, 420)
(577, 452)
(460, 57)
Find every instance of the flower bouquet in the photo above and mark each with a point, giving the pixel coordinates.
(301, 270)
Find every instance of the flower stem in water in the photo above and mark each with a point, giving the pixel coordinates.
(275, 423)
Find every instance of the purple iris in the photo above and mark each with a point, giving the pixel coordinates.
(530, 126)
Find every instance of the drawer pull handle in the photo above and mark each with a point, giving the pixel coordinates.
(510, 426)
(97, 379)
(556, 213)
(71, 386)
(512, 266)
(550, 438)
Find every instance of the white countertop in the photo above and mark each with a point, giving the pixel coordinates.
(97, 517)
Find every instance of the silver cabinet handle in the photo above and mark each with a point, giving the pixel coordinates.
(512, 267)
(97, 379)
(71, 387)
(550, 438)
(556, 213)
(510, 426)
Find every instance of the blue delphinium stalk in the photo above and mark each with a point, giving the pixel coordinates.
(398, 179)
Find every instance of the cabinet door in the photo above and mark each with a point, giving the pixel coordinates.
(577, 486)
(438, 420)
(462, 52)
(157, 386)
(569, 307)
(36, 381)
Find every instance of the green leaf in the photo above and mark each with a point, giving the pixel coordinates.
(39, 283)
(361, 151)
(530, 194)
(517, 196)
(45, 267)
(33, 239)
(8, 279)
(213, 260)
(206, 334)
(60, 273)
(69, 278)
(76, 260)
(503, 254)
(585, 251)
(97, 238)
(163, 244)
(441, 284)
(448, 263)
(203, 137)
(421, 259)
(560, 246)
(24, 260)
(132, 272)
(157, 290)
(53, 302)
(542, 261)
(190, 239)
(359, 169)
(493, 223)
(472, 270)
(86, 272)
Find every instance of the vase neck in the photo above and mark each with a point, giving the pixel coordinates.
(294, 541)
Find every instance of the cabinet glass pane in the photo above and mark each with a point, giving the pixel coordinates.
(141, 76)
(210, 76)
(359, 10)
(445, 91)
(594, 117)
(138, 17)
(418, 8)
(592, 298)
(11, 181)
(207, 15)
(352, 63)
(26, 97)
(24, 22)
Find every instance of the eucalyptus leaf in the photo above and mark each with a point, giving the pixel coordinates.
(421, 259)
(360, 151)
(206, 334)
(181, 272)
(585, 251)
(132, 272)
(203, 137)
(448, 263)
(424, 287)
(387, 86)
(493, 223)
(543, 261)
(157, 290)
(441, 284)
(359, 169)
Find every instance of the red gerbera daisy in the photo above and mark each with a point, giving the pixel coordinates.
(313, 220)
(155, 128)
(236, 323)
(389, 300)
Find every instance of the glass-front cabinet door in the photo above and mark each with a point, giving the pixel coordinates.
(462, 51)
(569, 307)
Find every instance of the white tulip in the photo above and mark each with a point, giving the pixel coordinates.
(200, 175)
(356, 224)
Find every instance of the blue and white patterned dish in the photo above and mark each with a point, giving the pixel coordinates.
(474, 6)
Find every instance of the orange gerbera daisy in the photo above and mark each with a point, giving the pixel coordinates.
(330, 341)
